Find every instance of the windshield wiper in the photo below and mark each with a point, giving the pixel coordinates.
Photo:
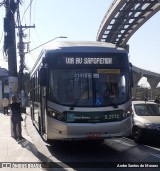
(78, 98)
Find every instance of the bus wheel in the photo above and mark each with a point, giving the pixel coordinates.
(40, 126)
(31, 114)
(43, 133)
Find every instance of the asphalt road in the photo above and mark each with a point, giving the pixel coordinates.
(112, 154)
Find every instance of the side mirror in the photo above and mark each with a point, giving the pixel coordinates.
(43, 76)
(131, 75)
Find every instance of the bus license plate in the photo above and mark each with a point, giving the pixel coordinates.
(93, 135)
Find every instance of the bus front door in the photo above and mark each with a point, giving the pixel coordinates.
(43, 118)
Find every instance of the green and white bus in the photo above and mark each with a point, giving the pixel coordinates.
(81, 91)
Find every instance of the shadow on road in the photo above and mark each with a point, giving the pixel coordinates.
(46, 162)
(85, 155)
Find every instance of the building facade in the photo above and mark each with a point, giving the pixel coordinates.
(4, 86)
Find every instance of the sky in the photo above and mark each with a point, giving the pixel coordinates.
(80, 20)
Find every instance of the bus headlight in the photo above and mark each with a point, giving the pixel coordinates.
(57, 115)
(51, 114)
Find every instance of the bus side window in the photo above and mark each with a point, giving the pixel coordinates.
(43, 77)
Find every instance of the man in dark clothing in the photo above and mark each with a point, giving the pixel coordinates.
(16, 118)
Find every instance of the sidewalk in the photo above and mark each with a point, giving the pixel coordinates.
(30, 153)
(13, 151)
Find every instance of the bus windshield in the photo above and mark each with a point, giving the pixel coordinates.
(88, 87)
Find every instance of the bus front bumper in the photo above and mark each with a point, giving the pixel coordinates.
(83, 131)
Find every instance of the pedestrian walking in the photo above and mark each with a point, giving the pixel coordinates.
(16, 118)
(5, 103)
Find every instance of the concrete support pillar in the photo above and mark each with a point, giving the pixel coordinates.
(153, 81)
(136, 78)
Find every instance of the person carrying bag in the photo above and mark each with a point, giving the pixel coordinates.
(16, 118)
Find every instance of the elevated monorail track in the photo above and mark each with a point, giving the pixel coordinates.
(124, 18)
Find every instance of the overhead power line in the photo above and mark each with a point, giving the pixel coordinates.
(26, 9)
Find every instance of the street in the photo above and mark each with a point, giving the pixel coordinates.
(89, 155)
(116, 152)
(112, 154)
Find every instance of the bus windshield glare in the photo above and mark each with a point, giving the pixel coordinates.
(88, 87)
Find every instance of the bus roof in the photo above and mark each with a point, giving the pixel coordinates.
(78, 47)
(82, 46)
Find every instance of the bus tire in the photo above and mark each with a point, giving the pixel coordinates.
(39, 125)
(44, 129)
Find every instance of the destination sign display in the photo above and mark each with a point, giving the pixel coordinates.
(70, 60)
(90, 60)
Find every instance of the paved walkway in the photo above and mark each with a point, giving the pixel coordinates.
(12, 151)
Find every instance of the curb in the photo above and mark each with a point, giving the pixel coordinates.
(37, 140)
(43, 153)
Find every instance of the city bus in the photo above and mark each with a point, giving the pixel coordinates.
(81, 91)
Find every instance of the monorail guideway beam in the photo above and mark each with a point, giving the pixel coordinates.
(124, 18)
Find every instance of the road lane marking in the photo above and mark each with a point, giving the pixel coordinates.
(124, 143)
(156, 155)
(154, 148)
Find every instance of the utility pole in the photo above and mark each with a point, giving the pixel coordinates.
(10, 45)
(21, 46)
(10, 48)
